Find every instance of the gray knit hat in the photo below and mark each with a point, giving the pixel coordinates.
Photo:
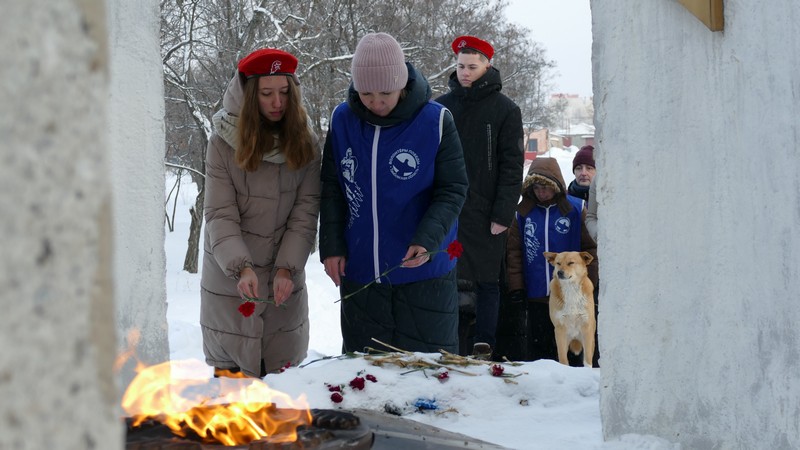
(378, 64)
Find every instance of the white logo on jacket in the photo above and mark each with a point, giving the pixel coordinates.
(348, 166)
(563, 225)
(532, 245)
(404, 164)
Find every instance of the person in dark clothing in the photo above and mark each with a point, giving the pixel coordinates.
(490, 127)
(393, 184)
(584, 169)
(547, 220)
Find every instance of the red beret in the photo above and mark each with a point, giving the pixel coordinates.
(474, 43)
(268, 61)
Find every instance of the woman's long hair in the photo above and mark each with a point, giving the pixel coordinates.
(256, 132)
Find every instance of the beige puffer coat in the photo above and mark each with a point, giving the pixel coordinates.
(267, 218)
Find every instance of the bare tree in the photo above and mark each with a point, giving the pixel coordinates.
(202, 40)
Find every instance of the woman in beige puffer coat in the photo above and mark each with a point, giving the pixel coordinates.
(261, 210)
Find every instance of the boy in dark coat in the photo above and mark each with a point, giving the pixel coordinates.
(490, 127)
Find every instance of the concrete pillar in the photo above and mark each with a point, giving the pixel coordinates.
(57, 330)
(136, 126)
(81, 204)
(698, 161)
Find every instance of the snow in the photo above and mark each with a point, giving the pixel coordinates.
(535, 405)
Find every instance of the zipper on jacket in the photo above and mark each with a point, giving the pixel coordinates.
(374, 180)
(547, 274)
(489, 145)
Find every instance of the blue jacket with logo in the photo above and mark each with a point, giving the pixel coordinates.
(391, 182)
(545, 229)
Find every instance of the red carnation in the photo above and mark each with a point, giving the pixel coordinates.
(455, 249)
(332, 388)
(247, 308)
(336, 397)
(371, 378)
(443, 376)
(357, 383)
(497, 370)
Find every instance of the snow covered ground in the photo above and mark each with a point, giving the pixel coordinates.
(534, 405)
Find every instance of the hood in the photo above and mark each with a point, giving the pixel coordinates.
(418, 92)
(544, 170)
(234, 95)
(226, 119)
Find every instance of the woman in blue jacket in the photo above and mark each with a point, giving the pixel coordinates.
(393, 184)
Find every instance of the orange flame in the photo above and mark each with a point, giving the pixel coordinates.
(226, 411)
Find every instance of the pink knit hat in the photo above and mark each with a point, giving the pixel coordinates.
(378, 64)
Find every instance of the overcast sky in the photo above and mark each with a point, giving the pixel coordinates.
(564, 29)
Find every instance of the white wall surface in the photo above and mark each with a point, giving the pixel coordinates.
(699, 245)
(57, 338)
(137, 171)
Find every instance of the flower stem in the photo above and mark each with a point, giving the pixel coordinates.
(387, 272)
(259, 300)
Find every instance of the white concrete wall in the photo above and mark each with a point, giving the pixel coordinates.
(57, 339)
(699, 190)
(137, 171)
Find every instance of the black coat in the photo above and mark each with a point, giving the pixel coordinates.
(490, 127)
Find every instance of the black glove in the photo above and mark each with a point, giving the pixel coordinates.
(518, 296)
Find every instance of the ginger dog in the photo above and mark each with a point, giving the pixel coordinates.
(572, 305)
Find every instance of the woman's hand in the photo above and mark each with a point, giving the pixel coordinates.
(334, 267)
(282, 285)
(496, 228)
(415, 257)
(248, 283)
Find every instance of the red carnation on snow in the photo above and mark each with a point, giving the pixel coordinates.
(443, 376)
(497, 370)
(247, 308)
(357, 383)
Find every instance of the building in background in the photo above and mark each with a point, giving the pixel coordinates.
(574, 126)
(573, 109)
(575, 135)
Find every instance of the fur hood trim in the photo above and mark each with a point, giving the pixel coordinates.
(536, 178)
